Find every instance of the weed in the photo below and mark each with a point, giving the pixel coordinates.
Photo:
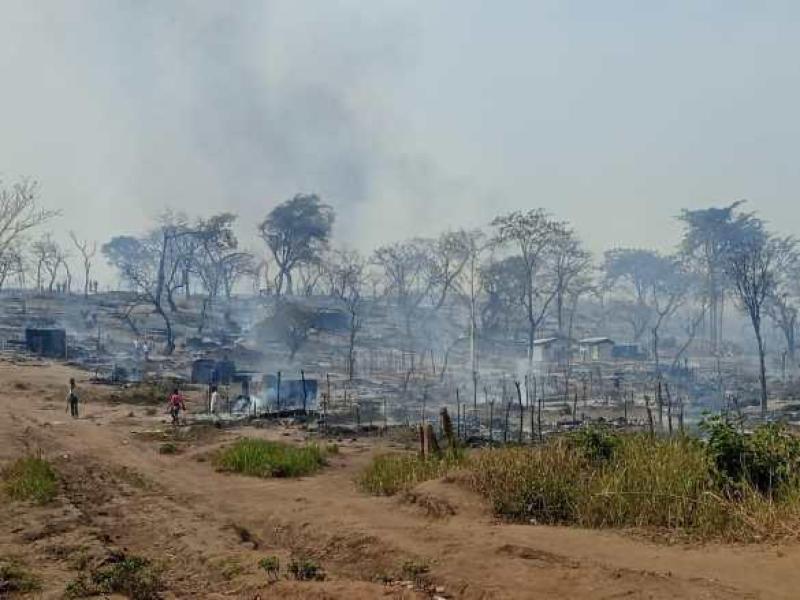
(332, 449)
(168, 448)
(230, 568)
(306, 570)
(132, 576)
(14, 578)
(31, 479)
(272, 566)
(415, 570)
(260, 458)
(389, 474)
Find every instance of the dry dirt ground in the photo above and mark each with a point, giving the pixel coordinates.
(209, 530)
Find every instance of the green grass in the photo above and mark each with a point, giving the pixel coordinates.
(14, 578)
(30, 479)
(389, 474)
(133, 576)
(658, 484)
(676, 486)
(261, 458)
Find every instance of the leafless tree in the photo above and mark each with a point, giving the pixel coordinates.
(407, 273)
(20, 212)
(348, 279)
(12, 264)
(571, 266)
(753, 259)
(87, 250)
(48, 256)
(449, 255)
(783, 304)
(531, 235)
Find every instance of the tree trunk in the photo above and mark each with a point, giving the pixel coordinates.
(762, 368)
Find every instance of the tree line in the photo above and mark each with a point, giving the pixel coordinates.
(523, 274)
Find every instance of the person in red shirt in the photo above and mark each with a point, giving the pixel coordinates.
(177, 403)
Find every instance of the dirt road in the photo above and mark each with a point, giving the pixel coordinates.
(210, 530)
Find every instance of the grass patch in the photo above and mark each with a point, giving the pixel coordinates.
(168, 448)
(31, 479)
(14, 578)
(132, 576)
(261, 458)
(742, 489)
(389, 474)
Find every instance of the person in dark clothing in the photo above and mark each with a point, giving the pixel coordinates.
(72, 400)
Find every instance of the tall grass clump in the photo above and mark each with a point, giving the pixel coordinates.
(734, 485)
(544, 484)
(261, 458)
(662, 483)
(389, 474)
(30, 479)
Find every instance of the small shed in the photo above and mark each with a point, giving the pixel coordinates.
(550, 350)
(629, 351)
(293, 394)
(212, 372)
(595, 349)
(51, 343)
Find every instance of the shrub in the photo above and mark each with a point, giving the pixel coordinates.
(596, 443)
(168, 448)
(132, 576)
(31, 478)
(14, 578)
(260, 458)
(306, 570)
(272, 566)
(767, 459)
(389, 474)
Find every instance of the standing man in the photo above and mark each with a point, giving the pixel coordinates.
(213, 406)
(72, 399)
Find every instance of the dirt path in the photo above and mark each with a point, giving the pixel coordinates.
(211, 529)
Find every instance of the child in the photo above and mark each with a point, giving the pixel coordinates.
(176, 405)
(72, 400)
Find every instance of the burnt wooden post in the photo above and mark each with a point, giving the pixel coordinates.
(458, 411)
(491, 421)
(521, 411)
(305, 392)
(278, 393)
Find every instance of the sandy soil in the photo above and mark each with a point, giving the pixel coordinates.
(210, 530)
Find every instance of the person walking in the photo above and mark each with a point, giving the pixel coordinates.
(177, 403)
(72, 399)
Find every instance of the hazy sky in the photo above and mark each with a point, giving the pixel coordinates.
(409, 117)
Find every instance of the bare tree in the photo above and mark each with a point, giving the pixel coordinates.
(48, 257)
(532, 235)
(449, 255)
(20, 212)
(783, 304)
(753, 258)
(407, 273)
(348, 278)
(571, 265)
(87, 250)
(12, 264)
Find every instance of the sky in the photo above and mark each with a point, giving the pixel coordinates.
(408, 117)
